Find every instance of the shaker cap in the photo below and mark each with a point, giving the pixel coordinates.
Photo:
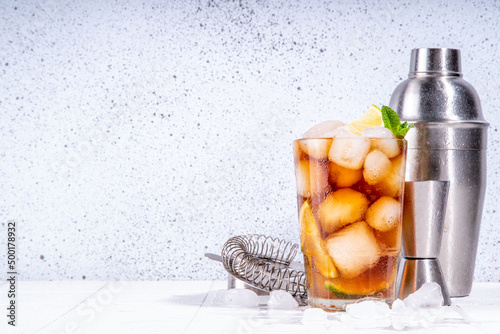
(436, 91)
(444, 107)
(433, 61)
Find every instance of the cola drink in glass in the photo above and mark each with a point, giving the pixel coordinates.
(350, 193)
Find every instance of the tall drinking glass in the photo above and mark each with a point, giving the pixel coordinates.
(350, 196)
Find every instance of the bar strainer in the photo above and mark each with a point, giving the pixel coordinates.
(264, 263)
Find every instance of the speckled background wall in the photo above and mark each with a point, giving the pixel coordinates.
(136, 136)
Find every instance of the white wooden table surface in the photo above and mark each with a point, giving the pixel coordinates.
(189, 307)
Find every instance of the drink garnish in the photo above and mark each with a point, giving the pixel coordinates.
(392, 122)
(371, 118)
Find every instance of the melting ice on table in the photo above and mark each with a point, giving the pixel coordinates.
(417, 310)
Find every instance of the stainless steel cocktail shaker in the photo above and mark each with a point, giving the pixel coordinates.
(448, 143)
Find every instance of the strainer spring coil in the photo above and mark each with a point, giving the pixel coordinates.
(264, 262)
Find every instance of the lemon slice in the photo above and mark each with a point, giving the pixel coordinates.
(373, 117)
(312, 245)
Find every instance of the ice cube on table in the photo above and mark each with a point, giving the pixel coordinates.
(326, 129)
(368, 309)
(367, 314)
(420, 318)
(313, 316)
(429, 295)
(399, 307)
(240, 297)
(400, 315)
(421, 310)
(283, 300)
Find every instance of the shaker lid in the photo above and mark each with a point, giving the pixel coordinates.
(433, 61)
(444, 108)
(436, 92)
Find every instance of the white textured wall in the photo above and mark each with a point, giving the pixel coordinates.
(136, 136)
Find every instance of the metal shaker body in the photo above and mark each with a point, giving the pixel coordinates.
(448, 143)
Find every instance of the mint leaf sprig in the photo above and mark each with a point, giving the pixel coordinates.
(392, 122)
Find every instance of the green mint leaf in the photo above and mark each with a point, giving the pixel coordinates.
(403, 130)
(386, 120)
(392, 122)
(401, 133)
(390, 118)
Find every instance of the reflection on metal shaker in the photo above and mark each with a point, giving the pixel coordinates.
(423, 220)
(448, 143)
